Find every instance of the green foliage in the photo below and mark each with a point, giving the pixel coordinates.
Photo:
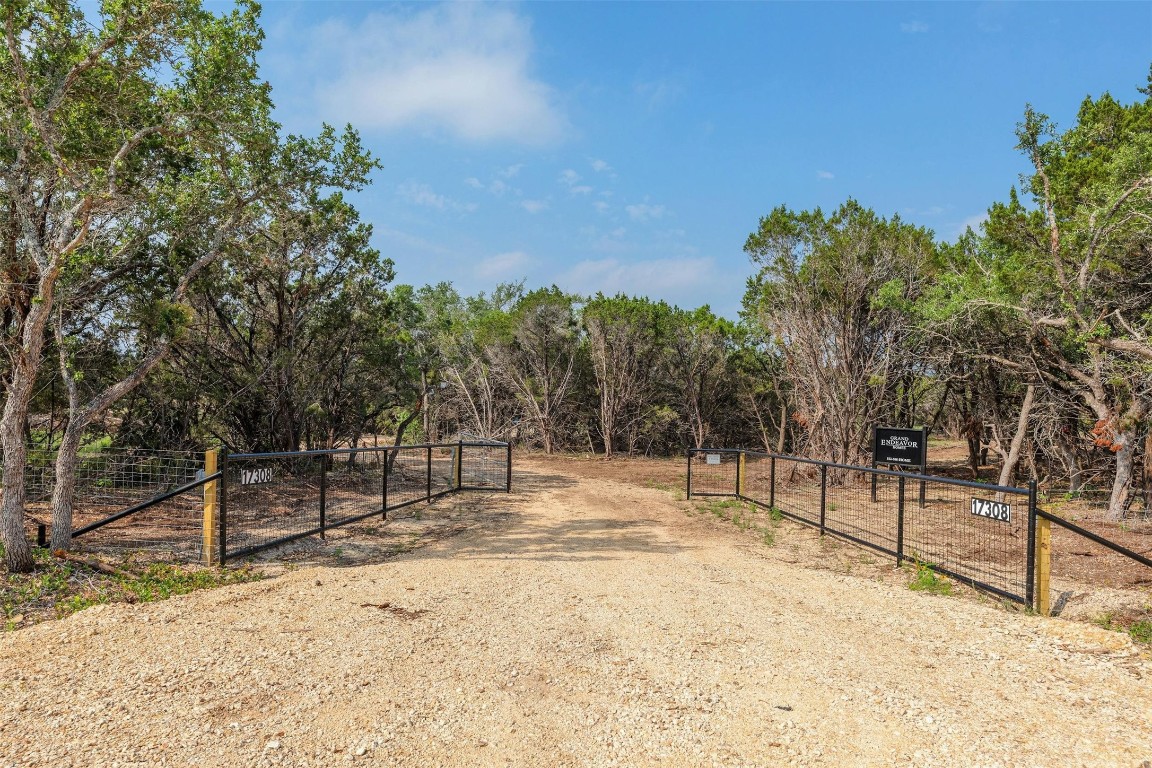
(927, 580)
(836, 293)
(1139, 629)
(59, 587)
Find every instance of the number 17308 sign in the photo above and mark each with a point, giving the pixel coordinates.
(255, 476)
(994, 510)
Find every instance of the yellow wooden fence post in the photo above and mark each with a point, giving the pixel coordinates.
(740, 476)
(209, 546)
(1043, 564)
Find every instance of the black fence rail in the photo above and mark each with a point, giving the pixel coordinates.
(269, 499)
(979, 534)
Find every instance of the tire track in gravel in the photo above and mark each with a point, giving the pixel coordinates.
(597, 624)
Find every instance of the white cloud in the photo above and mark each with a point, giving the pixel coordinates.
(600, 166)
(569, 177)
(423, 195)
(825, 175)
(654, 277)
(930, 211)
(645, 212)
(913, 27)
(533, 206)
(510, 172)
(658, 93)
(502, 265)
(474, 182)
(973, 222)
(460, 68)
(600, 206)
(409, 240)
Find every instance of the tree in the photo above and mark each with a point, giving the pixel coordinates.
(834, 293)
(286, 325)
(1087, 246)
(105, 128)
(536, 356)
(700, 344)
(476, 394)
(625, 338)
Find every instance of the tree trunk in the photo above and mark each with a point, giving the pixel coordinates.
(401, 429)
(1071, 460)
(1123, 480)
(17, 552)
(1148, 473)
(1013, 457)
(64, 491)
(780, 438)
(25, 362)
(426, 411)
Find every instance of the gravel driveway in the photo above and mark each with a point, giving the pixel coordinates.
(587, 622)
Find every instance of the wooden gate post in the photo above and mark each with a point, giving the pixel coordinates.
(1043, 564)
(208, 547)
(740, 477)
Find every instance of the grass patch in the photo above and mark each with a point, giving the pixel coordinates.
(1139, 629)
(58, 588)
(666, 487)
(927, 580)
(724, 509)
(742, 514)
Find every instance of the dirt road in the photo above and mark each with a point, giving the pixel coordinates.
(576, 622)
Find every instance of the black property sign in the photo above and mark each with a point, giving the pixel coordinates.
(902, 447)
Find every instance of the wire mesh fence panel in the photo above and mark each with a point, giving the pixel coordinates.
(443, 469)
(713, 472)
(168, 530)
(756, 478)
(1078, 562)
(271, 499)
(407, 475)
(853, 512)
(108, 480)
(977, 534)
(354, 486)
(483, 467)
(798, 489)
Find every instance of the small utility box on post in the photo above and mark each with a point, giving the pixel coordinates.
(210, 512)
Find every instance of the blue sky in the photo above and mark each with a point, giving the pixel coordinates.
(634, 146)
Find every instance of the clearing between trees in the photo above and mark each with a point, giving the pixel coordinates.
(583, 620)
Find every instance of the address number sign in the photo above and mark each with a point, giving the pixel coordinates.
(993, 510)
(255, 476)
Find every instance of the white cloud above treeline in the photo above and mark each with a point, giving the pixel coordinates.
(645, 211)
(503, 266)
(462, 69)
(653, 277)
